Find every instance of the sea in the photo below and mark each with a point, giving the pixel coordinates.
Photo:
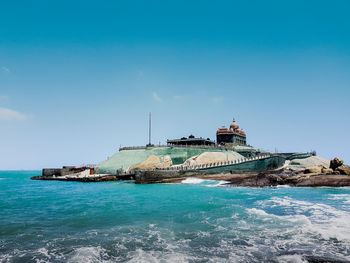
(193, 221)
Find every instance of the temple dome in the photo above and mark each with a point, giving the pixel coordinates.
(234, 125)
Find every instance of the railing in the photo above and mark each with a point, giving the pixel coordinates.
(204, 166)
(171, 146)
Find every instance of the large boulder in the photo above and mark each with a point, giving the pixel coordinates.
(153, 162)
(213, 157)
(301, 164)
(335, 163)
(344, 169)
(327, 170)
(314, 170)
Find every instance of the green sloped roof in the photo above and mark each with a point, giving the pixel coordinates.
(126, 158)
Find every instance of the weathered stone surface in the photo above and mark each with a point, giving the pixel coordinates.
(167, 162)
(324, 180)
(335, 163)
(327, 170)
(344, 169)
(100, 178)
(212, 157)
(301, 164)
(153, 162)
(315, 169)
(247, 180)
(268, 179)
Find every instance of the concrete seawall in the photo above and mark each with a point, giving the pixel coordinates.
(251, 166)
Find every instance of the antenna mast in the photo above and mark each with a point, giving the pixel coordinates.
(149, 132)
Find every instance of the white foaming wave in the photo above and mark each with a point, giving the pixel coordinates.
(192, 180)
(321, 218)
(283, 186)
(257, 212)
(89, 254)
(291, 259)
(344, 197)
(43, 251)
(141, 256)
(291, 218)
(220, 183)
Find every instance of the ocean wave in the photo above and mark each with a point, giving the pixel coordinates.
(220, 183)
(290, 218)
(291, 259)
(208, 183)
(140, 256)
(323, 219)
(344, 197)
(192, 180)
(283, 186)
(90, 254)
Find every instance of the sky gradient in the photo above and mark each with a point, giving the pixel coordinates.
(77, 80)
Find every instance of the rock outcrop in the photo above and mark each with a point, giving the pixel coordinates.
(153, 162)
(301, 164)
(327, 170)
(282, 177)
(335, 163)
(344, 169)
(212, 157)
(315, 169)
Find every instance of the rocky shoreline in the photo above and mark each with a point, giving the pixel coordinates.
(87, 179)
(282, 177)
(333, 174)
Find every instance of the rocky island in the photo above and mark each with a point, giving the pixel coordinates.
(229, 159)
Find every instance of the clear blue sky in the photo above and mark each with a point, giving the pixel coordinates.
(78, 78)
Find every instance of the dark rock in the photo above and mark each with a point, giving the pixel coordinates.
(344, 169)
(335, 163)
(316, 259)
(323, 180)
(102, 178)
(315, 169)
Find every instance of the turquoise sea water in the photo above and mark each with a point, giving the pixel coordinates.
(193, 221)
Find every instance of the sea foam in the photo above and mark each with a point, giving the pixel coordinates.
(192, 180)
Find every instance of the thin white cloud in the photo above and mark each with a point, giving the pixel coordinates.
(5, 69)
(156, 97)
(8, 114)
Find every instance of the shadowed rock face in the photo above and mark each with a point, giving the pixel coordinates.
(262, 179)
(314, 259)
(102, 178)
(271, 179)
(344, 169)
(335, 163)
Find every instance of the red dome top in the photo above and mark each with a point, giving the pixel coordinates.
(234, 125)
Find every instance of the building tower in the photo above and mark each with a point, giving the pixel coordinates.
(234, 135)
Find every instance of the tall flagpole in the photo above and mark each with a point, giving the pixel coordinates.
(149, 132)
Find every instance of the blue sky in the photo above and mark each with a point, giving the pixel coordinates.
(78, 78)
